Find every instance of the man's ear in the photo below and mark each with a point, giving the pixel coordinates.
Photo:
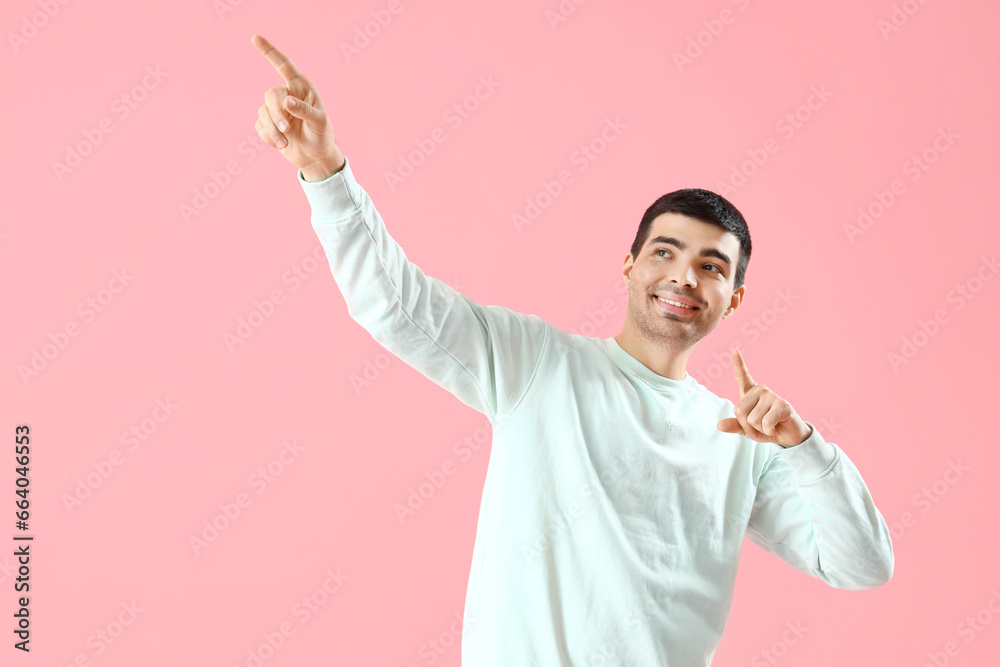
(737, 299)
(627, 269)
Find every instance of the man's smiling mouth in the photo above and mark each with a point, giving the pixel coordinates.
(675, 304)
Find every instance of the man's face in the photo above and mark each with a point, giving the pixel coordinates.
(684, 260)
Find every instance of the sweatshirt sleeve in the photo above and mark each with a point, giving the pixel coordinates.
(485, 355)
(813, 510)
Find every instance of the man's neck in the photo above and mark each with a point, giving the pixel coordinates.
(662, 360)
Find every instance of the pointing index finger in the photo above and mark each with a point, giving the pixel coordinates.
(742, 373)
(286, 68)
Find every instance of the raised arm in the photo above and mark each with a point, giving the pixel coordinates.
(484, 355)
(812, 509)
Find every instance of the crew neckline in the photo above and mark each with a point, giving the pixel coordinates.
(627, 362)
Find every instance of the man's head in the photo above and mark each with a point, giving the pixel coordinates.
(702, 205)
(693, 246)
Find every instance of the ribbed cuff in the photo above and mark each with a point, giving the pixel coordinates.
(334, 198)
(812, 457)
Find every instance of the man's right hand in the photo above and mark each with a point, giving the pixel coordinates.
(308, 140)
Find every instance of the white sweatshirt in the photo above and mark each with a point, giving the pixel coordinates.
(614, 510)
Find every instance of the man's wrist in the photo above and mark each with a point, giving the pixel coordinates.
(323, 171)
(809, 432)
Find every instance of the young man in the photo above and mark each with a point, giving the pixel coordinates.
(619, 490)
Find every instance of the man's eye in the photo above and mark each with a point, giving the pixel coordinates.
(663, 250)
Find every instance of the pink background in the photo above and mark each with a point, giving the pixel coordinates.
(852, 302)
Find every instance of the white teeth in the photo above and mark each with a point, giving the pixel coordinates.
(676, 303)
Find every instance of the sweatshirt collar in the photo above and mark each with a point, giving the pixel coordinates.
(633, 366)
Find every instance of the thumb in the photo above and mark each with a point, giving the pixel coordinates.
(730, 426)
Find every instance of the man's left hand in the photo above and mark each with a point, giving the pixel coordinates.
(761, 414)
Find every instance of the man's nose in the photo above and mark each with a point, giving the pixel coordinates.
(685, 275)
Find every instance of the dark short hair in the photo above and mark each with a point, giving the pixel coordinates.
(702, 205)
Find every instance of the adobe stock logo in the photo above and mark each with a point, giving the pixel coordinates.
(364, 35)
(455, 116)
(915, 166)
(926, 329)
(899, 17)
(562, 12)
(304, 609)
(218, 181)
(104, 468)
(122, 106)
(437, 646)
(538, 544)
(584, 155)
(38, 20)
(929, 496)
(697, 43)
(231, 510)
(779, 648)
(223, 7)
(264, 309)
(418, 496)
(967, 629)
(757, 325)
(100, 640)
(88, 309)
(787, 126)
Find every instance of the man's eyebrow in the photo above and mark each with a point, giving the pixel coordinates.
(705, 252)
